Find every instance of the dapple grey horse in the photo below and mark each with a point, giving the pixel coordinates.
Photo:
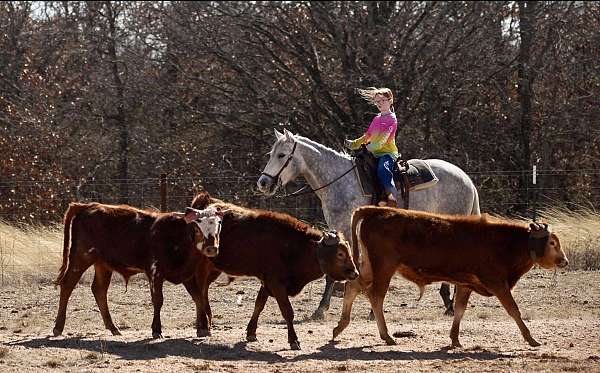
(292, 156)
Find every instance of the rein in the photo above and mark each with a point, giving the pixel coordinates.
(301, 191)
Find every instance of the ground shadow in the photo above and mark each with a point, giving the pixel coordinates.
(148, 349)
(329, 351)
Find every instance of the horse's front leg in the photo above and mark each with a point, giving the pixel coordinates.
(319, 313)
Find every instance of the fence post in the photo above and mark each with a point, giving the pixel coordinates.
(534, 182)
(163, 192)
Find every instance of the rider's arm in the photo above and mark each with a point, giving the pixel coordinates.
(364, 139)
(355, 144)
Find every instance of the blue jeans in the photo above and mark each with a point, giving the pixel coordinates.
(385, 167)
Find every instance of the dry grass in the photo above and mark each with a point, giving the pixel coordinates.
(34, 253)
(53, 363)
(579, 234)
(29, 252)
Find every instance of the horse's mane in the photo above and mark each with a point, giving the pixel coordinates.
(322, 147)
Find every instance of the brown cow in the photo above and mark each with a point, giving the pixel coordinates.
(165, 246)
(478, 254)
(284, 253)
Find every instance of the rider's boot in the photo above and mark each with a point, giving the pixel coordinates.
(392, 198)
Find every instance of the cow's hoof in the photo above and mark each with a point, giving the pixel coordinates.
(295, 345)
(251, 338)
(533, 343)
(56, 332)
(336, 331)
(156, 335)
(201, 333)
(318, 315)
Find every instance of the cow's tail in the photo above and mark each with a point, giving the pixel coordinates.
(73, 209)
(359, 251)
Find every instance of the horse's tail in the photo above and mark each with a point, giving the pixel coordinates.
(73, 209)
(475, 208)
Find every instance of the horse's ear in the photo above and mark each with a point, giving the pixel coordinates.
(288, 134)
(278, 135)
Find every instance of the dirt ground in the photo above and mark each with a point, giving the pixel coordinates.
(564, 315)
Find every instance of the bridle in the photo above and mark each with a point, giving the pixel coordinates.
(300, 191)
(287, 162)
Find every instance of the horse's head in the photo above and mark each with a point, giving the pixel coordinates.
(283, 165)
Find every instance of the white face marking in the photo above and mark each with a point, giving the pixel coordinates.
(210, 227)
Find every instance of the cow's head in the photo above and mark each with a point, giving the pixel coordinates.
(207, 228)
(335, 258)
(283, 166)
(544, 247)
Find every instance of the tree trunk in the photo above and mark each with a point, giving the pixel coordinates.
(123, 140)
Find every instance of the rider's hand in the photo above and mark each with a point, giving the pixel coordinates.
(348, 143)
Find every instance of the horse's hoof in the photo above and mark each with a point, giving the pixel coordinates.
(115, 331)
(449, 312)
(295, 345)
(56, 332)
(533, 343)
(318, 315)
(157, 335)
(251, 338)
(201, 333)
(371, 316)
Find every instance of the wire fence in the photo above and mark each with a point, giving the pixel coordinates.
(502, 192)
(36, 256)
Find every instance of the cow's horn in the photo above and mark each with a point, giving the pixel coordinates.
(331, 238)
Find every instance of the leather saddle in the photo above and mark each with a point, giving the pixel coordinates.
(411, 175)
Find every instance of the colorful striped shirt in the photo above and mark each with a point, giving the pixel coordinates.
(380, 136)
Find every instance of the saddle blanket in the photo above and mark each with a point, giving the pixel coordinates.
(420, 176)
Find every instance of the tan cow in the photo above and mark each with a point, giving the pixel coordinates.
(481, 254)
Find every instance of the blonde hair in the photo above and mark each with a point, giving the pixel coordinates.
(370, 93)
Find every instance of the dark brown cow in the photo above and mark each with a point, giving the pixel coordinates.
(165, 246)
(284, 253)
(478, 254)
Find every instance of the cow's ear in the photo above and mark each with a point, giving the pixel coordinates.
(190, 215)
